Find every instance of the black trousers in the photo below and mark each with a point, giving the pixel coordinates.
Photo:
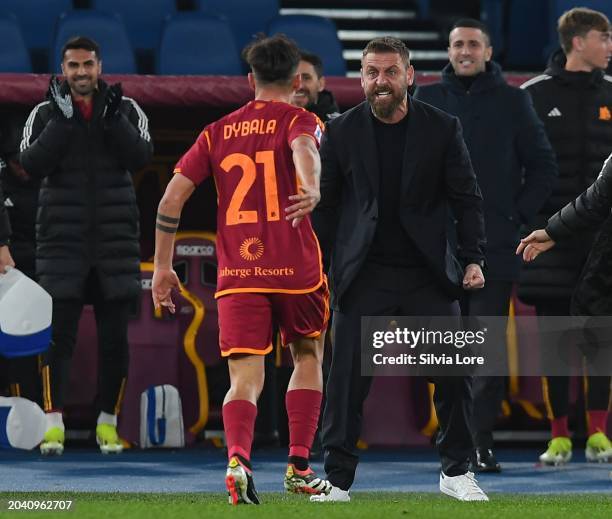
(487, 392)
(387, 291)
(113, 351)
(556, 389)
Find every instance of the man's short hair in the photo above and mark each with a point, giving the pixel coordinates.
(272, 59)
(578, 22)
(388, 44)
(314, 60)
(470, 23)
(81, 42)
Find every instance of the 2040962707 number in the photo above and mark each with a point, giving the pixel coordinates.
(37, 504)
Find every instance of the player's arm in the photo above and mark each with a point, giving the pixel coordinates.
(169, 211)
(308, 168)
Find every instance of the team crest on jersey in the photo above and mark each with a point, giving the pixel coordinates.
(251, 249)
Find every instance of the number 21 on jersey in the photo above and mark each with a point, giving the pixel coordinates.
(234, 215)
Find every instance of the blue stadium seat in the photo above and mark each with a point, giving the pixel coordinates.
(558, 7)
(244, 19)
(106, 29)
(196, 43)
(14, 55)
(37, 18)
(492, 13)
(143, 19)
(527, 35)
(314, 34)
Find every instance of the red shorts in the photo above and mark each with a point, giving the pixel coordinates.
(246, 319)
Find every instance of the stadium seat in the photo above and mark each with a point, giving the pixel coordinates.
(243, 19)
(143, 19)
(37, 18)
(558, 7)
(13, 52)
(314, 34)
(195, 261)
(527, 37)
(197, 43)
(106, 29)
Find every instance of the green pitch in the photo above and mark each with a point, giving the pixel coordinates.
(368, 505)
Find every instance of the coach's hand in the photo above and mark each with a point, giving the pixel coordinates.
(306, 201)
(62, 104)
(114, 95)
(164, 280)
(473, 278)
(533, 245)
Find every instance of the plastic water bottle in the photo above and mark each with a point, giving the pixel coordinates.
(22, 423)
(25, 315)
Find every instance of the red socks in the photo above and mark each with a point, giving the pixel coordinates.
(303, 407)
(597, 421)
(559, 427)
(239, 424)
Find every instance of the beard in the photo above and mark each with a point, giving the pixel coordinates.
(385, 107)
(83, 89)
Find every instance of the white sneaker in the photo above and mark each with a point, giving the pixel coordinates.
(463, 488)
(335, 495)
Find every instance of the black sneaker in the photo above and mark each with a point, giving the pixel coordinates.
(240, 485)
(483, 460)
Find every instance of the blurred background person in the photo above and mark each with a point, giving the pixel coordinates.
(574, 100)
(20, 202)
(311, 93)
(515, 167)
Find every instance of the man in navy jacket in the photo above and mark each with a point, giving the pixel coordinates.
(515, 167)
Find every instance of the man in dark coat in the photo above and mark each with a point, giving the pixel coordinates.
(84, 141)
(391, 168)
(5, 232)
(574, 100)
(20, 201)
(594, 291)
(515, 167)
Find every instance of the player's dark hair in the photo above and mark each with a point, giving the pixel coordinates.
(388, 44)
(470, 23)
(314, 60)
(272, 59)
(81, 42)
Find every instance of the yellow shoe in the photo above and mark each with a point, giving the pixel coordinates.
(53, 442)
(598, 448)
(108, 439)
(559, 451)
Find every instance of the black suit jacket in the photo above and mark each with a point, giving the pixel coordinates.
(437, 173)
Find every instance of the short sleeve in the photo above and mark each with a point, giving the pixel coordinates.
(195, 164)
(305, 123)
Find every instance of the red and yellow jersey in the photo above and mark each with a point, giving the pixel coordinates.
(248, 154)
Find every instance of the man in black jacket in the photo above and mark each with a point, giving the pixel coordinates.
(5, 232)
(20, 201)
(574, 99)
(311, 93)
(593, 293)
(515, 167)
(84, 141)
(391, 167)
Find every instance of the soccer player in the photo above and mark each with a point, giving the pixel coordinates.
(265, 162)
